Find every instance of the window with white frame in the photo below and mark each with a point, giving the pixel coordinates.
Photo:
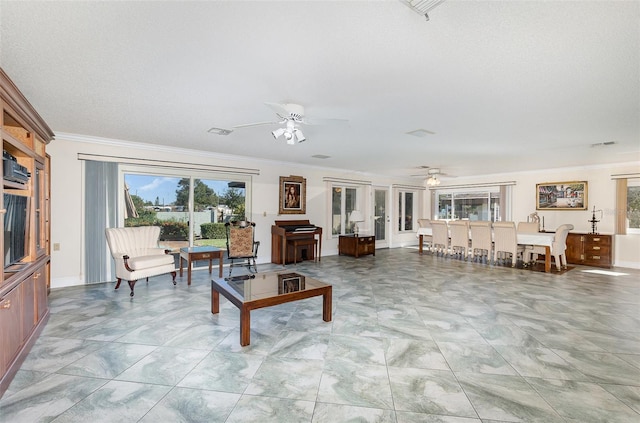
(344, 199)
(407, 209)
(471, 203)
(633, 206)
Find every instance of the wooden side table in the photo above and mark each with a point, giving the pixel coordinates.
(357, 246)
(191, 254)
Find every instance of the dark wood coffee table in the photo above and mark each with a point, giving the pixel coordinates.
(250, 292)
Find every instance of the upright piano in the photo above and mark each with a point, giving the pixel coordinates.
(282, 251)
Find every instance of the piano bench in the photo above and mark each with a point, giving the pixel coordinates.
(308, 242)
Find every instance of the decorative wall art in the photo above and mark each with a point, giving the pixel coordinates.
(561, 195)
(293, 195)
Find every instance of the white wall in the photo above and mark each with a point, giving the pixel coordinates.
(67, 199)
(601, 194)
(67, 192)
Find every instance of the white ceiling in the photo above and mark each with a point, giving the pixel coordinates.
(505, 85)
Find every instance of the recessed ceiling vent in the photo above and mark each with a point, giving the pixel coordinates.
(603, 144)
(320, 156)
(422, 7)
(220, 131)
(420, 133)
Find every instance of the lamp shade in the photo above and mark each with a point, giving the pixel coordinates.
(356, 216)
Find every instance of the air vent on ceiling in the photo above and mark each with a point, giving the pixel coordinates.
(423, 7)
(220, 131)
(320, 156)
(420, 133)
(603, 144)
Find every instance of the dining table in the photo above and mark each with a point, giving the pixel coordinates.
(542, 239)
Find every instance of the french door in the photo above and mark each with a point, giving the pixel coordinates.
(381, 218)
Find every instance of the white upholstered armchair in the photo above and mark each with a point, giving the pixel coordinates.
(137, 254)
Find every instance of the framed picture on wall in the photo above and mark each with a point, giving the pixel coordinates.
(561, 195)
(293, 193)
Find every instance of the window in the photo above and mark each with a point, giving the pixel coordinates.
(184, 206)
(633, 206)
(406, 210)
(483, 203)
(344, 200)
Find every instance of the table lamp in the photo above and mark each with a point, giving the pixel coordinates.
(355, 217)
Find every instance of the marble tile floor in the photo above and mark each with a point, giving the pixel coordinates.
(414, 338)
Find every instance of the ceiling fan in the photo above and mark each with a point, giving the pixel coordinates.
(292, 116)
(432, 175)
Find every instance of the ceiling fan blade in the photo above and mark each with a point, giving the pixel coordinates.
(320, 121)
(279, 109)
(257, 124)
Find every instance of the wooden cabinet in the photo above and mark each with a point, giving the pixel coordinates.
(24, 212)
(590, 249)
(356, 246)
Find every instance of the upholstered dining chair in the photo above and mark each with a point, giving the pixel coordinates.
(558, 247)
(529, 227)
(459, 232)
(137, 254)
(505, 241)
(241, 244)
(481, 242)
(440, 237)
(426, 239)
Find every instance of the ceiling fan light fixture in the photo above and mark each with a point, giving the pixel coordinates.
(278, 133)
(433, 181)
(299, 135)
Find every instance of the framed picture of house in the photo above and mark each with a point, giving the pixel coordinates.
(293, 193)
(561, 195)
(290, 282)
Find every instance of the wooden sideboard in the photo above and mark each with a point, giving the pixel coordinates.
(357, 246)
(590, 249)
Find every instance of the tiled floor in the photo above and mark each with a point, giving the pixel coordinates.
(413, 339)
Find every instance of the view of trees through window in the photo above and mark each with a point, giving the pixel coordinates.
(633, 207)
(164, 201)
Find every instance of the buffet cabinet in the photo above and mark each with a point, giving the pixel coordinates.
(590, 249)
(356, 245)
(24, 212)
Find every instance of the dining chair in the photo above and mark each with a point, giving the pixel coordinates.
(558, 247)
(481, 243)
(505, 241)
(529, 227)
(426, 239)
(440, 237)
(459, 232)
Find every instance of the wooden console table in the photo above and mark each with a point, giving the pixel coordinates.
(356, 246)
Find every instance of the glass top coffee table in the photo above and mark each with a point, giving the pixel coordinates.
(250, 292)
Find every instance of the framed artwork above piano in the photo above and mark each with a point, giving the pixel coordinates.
(293, 195)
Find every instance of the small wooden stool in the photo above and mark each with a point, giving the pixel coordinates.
(308, 242)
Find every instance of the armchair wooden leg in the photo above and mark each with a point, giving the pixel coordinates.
(131, 285)
(118, 284)
(173, 275)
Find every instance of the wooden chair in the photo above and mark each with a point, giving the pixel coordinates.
(137, 255)
(459, 231)
(481, 242)
(241, 244)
